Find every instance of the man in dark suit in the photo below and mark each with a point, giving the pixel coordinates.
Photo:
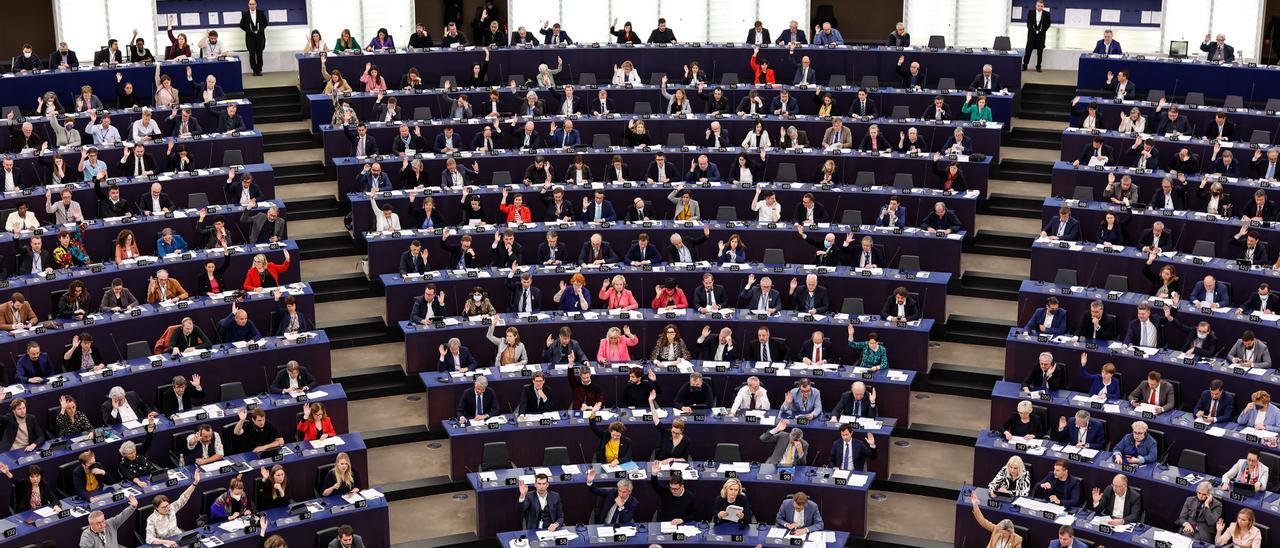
(764, 297)
(461, 254)
(765, 348)
(597, 210)
(362, 144)
(849, 452)
(719, 348)
(1158, 237)
(900, 307)
(596, 251)
(1097, 149)
(1201, 341)
(544, 510)
(1144, 154)
(552, 252)
(811, 298)
(524, 296)
(617, 506)
(1266, 168)
(826, 252)
(414, 259)
(863, 106)
(1166, 197)
(180, 396)
(1049, 375)
(34, 435)
(793, 35)
(817, 350)
(708, 296)
(1210, 292)
(1261, 300)
(1104, 503)
(429, 306)
(809, 210)
(109, 55)
(640, 210)
(660, 170)
(1221, 129)
(34, 366)
(679, 251)
(1081, 431)
(1146, 329)
(1048, 320)
(642, 253)
(1252, 248)
(757, 35)
(529, 138)
(1154, 391)
(63, 57)
(253, 22)
(114, 409)
(1120, 85)
(716, 137)
(1173, 122)
(1060, 487)
(1063, 227)
(1217, 50)
(866, 255)
(1261, 209)
(1037, 27)
(1098, 324)
(603, 104)
(1215, 404)
(292, 379)
(986, 82)
(478, 402)
(857, 402)
(455, 357)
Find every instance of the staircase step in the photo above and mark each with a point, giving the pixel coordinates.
(378, 382)
(278, 117)
(975, 330)
(279, 141)
(292, 173)
(960, 380)
(316, 207)
(1044, 114)
(1002, 244)
(339, 287)
(328, 244)
(1005, 205)
(1033, 138)
(1024, 170)
(357, 332)
(989, 285)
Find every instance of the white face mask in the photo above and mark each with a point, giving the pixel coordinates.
(26, 54)
(235, 497)
(476, 298)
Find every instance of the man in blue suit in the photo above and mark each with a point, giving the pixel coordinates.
(565, 137)
(617, 506)
(702, 170)
(1048, 320)
(1217, 50)
(1148, 329)
(524, 296)
(455, 357)
(1215, 404)
(799, 515)
(1060, 487)
(1080, 432)
(1208, 292)
(848, 453)
(478, 402)
(542, 511)
(1249, 417)
(1063, 227)
(597, 210)
(34, 366)
(447, 141)
(1107, 46)
(1137, 447)
(1067, 535)
(784, 105)
(793, 34)
(372, 179)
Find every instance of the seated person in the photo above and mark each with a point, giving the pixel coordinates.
(292, 379)
(478, 402)
(1118, 502)
(1060, 487)
(1012, 479)
(1048, 320)
(1260, 414)
(1079, 432)
(237, 327)
(900, 307)
(257, 433)
(1136, 447)
(1024, 423)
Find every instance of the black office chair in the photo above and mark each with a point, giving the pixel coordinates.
(1021, 531)
(198, 200)
(852, 306)
(319, 484)
(1191, 459)
(422, 113)
(1233, 101)
(1194, 98)
(728, 452)
(1266, 533)
(786, 172)
(909, 263)
(55, 297)
(207, 498)
(1065, 276)
(726, 213)
(495, 456)
(555, 456)
(1272, 462)
(642, 107)
(675, 139)
(140, 522)
(229, 391)
(904, 181)
(946, 83)
(233, 157)
(601, 140)
(1204, 248)
(729, 79)
(325, 536)
(1117, 283)
(137, 349)
(1177, 392)
(870, 81)
(66, 476)
(1159, 437)
(851, 217)
(1273, 104)
(1002, 43)
(865, 178)
(901, 112)
(1142, 516)
(178, 446)
(655, 78)
(937, 42)
(453, 82)
(1082, 193)
(1260, 136)
(503, 177)
(231, 442)
(1041, 412)
(160, 390)
(774, 256)
(587, 79)
(838, 80)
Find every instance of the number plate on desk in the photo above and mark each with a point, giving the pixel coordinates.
(1188, 361)
(1049, 515)
(1236, 496)
(1181, 481)
(1074, 456)
(1095, 405)
(1129, 468)
(699, 418)
(1042, 338)
(1090, 346)
(493, 426)
(1148, 415)
(802, 421)
(1105, 529)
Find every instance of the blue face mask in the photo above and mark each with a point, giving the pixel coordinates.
(827, 244)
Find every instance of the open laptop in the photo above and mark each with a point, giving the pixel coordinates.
(1178, 49)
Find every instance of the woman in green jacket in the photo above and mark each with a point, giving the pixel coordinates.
(976, 110)
(346, 42)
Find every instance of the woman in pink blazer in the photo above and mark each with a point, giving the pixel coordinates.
(613, 348)
(616, 295)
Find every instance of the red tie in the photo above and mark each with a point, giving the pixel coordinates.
(817, 354)
(1213, 408)
(1153, 396)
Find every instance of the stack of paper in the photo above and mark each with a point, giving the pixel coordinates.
(1173, 540)
(488, 476)
(739, 467)
(335, 441)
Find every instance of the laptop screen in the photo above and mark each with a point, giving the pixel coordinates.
(1178, 48)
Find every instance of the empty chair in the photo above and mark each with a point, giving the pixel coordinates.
(726, 213)
(601, 140)
(901, 111)
(519, 78)
(852, 306)
(774, 256)
(728, 452)
(231, 391)
(1065, 276)
(1155, 95)
(903, 181)
(555, 456)
(1204, 248)
(198, 200)
(1273, 104)
(137, 349)
(1192, 460)
(503, 177)
(1272, 461)
(865, 178)
(870, 81)
(587, 79)
(1195, 98)
(1117, 283)
(851, 217)
(1260, 136)
(946, 83)
(729, 79)
(453, 82)
(838, 80)
(937, 42)
(643, 107)
(675, 139)
(140, 522)
(1083, 193)
(786, 172)
(422, 113)
(1233, 101)
(1002, 43)
(326, 535)
(232, 157)
(909, 263)
(495, 457)
(656, 78)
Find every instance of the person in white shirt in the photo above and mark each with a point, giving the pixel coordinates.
(386, 219)
(144, 128)
(22, 219)
(627, 74)
(163, 522)
(766, 203)
(751, 396)
(211, 47)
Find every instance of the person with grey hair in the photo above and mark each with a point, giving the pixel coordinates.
(546, 77)
(122, 407)
(455, 357)
(1118, 502)
(1079, 431)
(986, 82)
(134, 465)
(617, 506)
(1200, 514)
(180, 396)
(1024, 423)
(292, 379)
(1002, 534)
(101, 532)
(170, 242)
(789, 449)
(477, 403)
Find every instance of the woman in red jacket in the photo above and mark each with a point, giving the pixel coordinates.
(668, 295)
(265, 274)
(315, 424)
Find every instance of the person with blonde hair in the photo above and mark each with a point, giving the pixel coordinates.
(1002, 534)
(1012, 479)
(1242, 533)
(342, 478)
(732, 493)
(614, 347)
(510, 350)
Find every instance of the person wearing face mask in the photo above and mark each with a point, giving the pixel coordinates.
(233, 503)
(27, 61)
(1260, 413)
(479, 304)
